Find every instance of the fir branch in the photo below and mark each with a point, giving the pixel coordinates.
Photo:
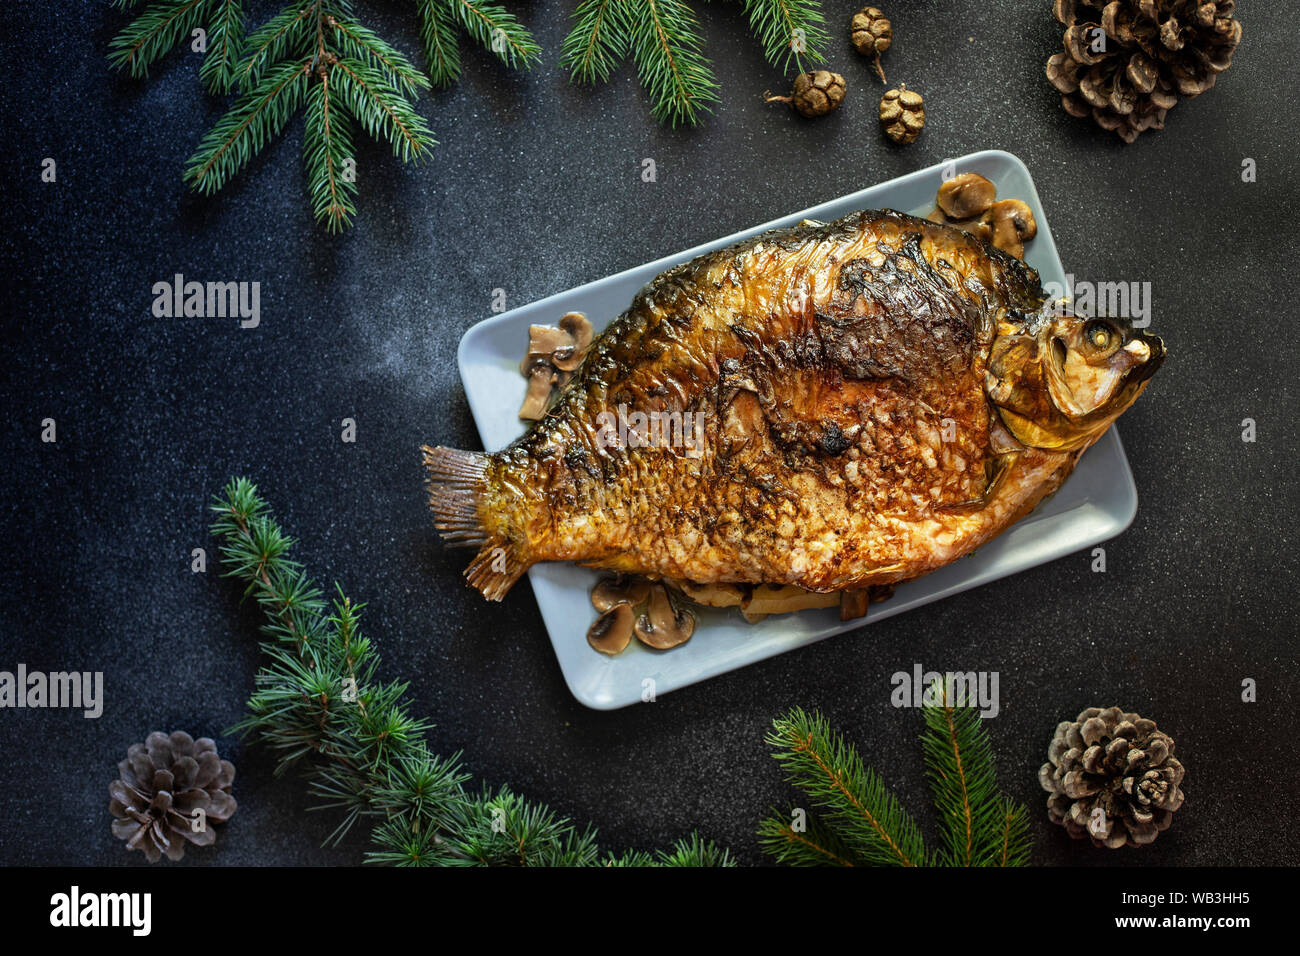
(865, 825)
(287, 33)
(814, 845)
(355, 41)
(225, 37)
(666, 43)
(960, 767)
(155, 33)
(256, 118)
(319, 703)
(441, 52)
(869, 818)
(327, 148)
(382, 110)
(597, 43)
(779, 24)
(498, 30)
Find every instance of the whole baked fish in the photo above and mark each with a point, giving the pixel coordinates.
(827, 406)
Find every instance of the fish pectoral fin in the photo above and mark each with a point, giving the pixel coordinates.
(1001, 468)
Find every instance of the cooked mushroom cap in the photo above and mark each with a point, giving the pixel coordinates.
(624, 589)
(1019, 214)
(612, 631)
(966, 196)
(662, 626)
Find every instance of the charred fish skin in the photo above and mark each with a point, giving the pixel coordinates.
(851, 429)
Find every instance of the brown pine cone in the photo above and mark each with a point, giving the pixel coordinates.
(1126, 63)
(1112, 777)
(165, 783)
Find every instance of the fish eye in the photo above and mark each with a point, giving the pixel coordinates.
(1101, 335)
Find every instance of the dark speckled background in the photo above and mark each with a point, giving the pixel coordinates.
(534, 189)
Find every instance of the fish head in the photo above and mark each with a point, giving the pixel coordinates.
(1060, 380)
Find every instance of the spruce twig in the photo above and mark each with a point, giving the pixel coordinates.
(863, 823)
(667, 47)
(319, 703)
(789, 30)
(316, 56)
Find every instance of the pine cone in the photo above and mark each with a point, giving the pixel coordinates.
(1127, 62)
(164, 783)
(1106, 768)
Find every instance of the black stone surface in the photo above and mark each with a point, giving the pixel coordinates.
(535, 188)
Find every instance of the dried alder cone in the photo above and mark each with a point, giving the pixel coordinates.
(1112, 777)
(872, 33)
(902, 114)
(171, 789)
(1126, 63)
(815, 93)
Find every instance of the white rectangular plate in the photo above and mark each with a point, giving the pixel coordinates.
(1097, 502)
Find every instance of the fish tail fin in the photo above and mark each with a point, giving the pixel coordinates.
(457, 480)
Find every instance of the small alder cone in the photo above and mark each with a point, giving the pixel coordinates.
(902, 114)
(815, 93)
(1112, 777)
(871, 33)
(1126, 63)
(171, 790)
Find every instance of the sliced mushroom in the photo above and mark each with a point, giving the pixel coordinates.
(966, 196)
(541, 376)
(624, 589)
(713, 595)
(853, 604)
(783, 599)
(662, 626)
(569, 356)
(936, 215)
(612, 631)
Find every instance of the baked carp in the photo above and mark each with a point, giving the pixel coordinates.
(837, 406)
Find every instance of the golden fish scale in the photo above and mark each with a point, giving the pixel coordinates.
(839, 370)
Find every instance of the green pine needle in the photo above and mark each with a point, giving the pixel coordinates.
(287, 33)
(355, 41)
(257, 117)
(811, 843)
(863, 824)
(327, 150)
(320, 706)
(778, 23)
(959, 766)
(597, 43)
(225, 39)
(866, 816)
(382, 110)
(667, 47)
(155, 33)
(441, 50)
(497, 29)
